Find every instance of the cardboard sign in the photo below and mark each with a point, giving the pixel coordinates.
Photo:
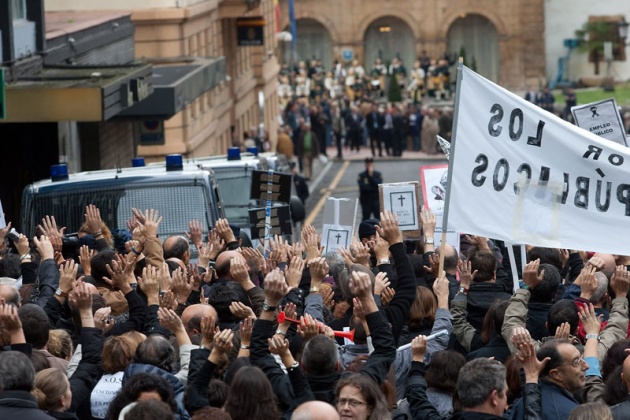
(338, 226)
(601, 118)
(278, 183)
(402, 199)
(279, 223)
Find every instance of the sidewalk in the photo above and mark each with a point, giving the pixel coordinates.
(367, 152)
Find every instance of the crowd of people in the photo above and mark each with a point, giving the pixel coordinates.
(348, 106)
(128, 325)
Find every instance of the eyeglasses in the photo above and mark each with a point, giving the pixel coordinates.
(350, 402)
(575, 363)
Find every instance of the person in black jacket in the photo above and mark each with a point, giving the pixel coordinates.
(368, 186)
(373, 121)
(16, 383)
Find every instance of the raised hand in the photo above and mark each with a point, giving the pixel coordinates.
(381, 283)
(49, 227)
(85, 258)
(44, 247)
(308, 327)
(380, 247)
(81, 298)
(206, 253)
(563, 331)
(167, 301)
(182, 285)
(620, 281)
(440, 288)
(208, 330)
(245, 328)
(520, 335)
(148, 222)
(103, 320)
(196, 232)
(588, 282)
(312, 245)
(466, 275)
(434, 265)
(327, 296)
(591, 322)
(216, 243)
(22, 245)
(388, 228)
(150, 284)
(530, 275)
(427, 218)
(275, 287)
(68, 276)
(319, 269)
(93, 220)
(387, 295)
(224, 230)
(241, 311)
(294, 272)
(361, 253)
(169, 320)
(531, 365)
(252, 255)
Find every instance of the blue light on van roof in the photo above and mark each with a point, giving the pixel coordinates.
(253, 150)
(137, 162)
(59, 172)
(234, 153)
(174, 163)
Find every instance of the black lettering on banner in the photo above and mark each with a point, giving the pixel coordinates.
(615, 160)
(603, 207)
(501, 164)
(565, 189)
(478, 179)
(516, 113)
(537, 141)
(623, 196)
(543, 179)
(581, 195)
(497, 110)
(592, 149)
(523, 168)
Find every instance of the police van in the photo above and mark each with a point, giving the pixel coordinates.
(180, 192)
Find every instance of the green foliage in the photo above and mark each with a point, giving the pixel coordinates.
(462, 54)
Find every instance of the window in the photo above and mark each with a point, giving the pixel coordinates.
(18, 8)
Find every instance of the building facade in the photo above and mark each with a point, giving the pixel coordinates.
(503, 40)
(170, 30)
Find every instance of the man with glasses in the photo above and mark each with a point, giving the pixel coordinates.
(562, 377)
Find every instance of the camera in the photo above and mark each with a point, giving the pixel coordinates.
(13, 235)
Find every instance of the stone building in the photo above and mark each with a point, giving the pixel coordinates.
(505, 39)
(171, 30)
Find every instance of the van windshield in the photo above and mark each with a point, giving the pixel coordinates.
(178, 202)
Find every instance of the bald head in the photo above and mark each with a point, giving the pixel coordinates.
(223, 263)
(176, 247)
(609, 263)
(192, 315)
(315, 410)
(450, 257)
(10, 294)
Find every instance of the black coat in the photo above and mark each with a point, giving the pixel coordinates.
(497, 348)
(20, 405)
(480, 297)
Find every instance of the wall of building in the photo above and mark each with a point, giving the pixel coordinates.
(519, 25)
(179, 28)
(561, 22)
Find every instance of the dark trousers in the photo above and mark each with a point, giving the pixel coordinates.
(388, 139)
(371, 207)
(355, 139)
(338, 142)
(375, 139)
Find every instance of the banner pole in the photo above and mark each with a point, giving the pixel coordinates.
(458, 87)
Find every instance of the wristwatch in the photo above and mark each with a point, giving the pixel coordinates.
(383, 261)
(268, 308)
(313, 289)
(463, 290)
(429, 241)
(61, 293)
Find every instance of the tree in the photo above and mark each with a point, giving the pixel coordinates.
(592, 37)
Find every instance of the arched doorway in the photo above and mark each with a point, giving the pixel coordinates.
(313, 42)
(389, 37)
(477, 37)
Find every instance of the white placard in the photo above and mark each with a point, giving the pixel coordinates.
(401, 199)
(601, 118)
(452, 236)
(433, 181)
(335, 237)
(522, 175)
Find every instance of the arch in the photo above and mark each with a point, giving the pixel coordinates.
(454, 15)
(478, 37)
(388, 37)
(394, 12)
(313, 41)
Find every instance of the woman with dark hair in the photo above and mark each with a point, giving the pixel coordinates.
(140, 387)
(441, 378)
(251, 396)
(359, 397)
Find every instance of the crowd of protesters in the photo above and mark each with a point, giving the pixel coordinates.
(349, 107)
(129, 326)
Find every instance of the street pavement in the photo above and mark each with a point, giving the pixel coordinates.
(338, 178)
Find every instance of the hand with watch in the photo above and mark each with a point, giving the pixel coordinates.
(67, 278)
(466, 276)
(275, 289)
(427, 217)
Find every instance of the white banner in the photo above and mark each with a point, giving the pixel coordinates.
(522, 175)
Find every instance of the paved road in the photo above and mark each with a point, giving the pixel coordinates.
(340, 181)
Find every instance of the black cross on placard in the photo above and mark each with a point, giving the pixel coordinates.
(338, 237)
(401, 198)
